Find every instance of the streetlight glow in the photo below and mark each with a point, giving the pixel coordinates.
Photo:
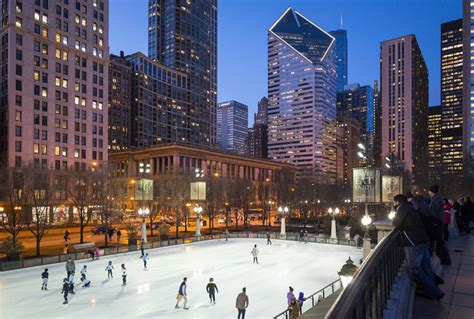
(361, 146)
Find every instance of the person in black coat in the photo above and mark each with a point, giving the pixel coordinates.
(414, 238)
(65, 290)
(467, 214)
(211, 289)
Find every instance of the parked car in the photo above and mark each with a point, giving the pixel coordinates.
(101, 229)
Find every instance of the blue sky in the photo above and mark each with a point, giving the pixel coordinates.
(242, 36)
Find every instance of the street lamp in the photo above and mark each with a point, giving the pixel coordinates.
(347, 272)
(198, 211)
(333, 213)
(283, 211)
(143, 213)
(366, 221)
(391, 215)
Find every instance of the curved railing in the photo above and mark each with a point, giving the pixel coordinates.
(367, 294)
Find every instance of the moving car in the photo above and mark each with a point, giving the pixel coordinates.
(101, 229)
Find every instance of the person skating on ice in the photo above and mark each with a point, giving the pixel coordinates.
(269, 241)
(109, 269)
(182, 294)
(211, 289)
(124, 275)
(255, 253)
(65, 290)
(71, 283)
(242, 303)
(145, 260)
(83, 272)
(142, 249)
(85, 282)
(70, 267)
(45, 277)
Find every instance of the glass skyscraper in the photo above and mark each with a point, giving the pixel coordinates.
(182, 35)
(302, 96)
(341, 58)
(232, 119)
(468, 86)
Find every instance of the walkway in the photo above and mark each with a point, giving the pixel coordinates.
(458, 286)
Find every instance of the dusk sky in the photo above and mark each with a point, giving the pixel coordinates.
(243, 26)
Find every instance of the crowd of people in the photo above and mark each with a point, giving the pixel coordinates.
(426, 224)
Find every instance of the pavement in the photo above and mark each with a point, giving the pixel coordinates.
(458, 285)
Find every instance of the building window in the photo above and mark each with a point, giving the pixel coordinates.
(18, 131)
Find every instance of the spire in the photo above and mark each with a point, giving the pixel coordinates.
(342, 21)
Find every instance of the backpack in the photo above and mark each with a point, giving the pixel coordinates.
(434, 227)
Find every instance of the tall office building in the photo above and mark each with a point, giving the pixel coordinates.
(182, 35)
(348, 136)
(54, 83)
(341, 58)
(451, 99)
(120, 103)
(232, 121)
(435, 156)
(302, 96)
(377, 133)
(257, 137)
(359, 101)
(468, 87)
(404, 104)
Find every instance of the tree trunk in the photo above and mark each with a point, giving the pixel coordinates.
(177, 225)
(38, 241)
(106, 233)
(81, 228)
(151, 226)
(236, 219)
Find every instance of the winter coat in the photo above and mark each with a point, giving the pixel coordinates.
(242, 301)
(437, 205)
(109, 267)
(70, 266)
(294, 310)
(413, 229)
(289, 297)
(146, 258)
(467, 211)
(182, 289)
(84, 271)
(124, 272)
(44, 274)
(211, 287)
(255, 252)
(65, 288)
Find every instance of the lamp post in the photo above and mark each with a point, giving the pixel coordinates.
(366, 221)
(391, 215)
(198, 211)
(347, 272)
(283, 211)
(143, 213)
(333, 213)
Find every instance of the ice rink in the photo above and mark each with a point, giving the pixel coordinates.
(152, 293)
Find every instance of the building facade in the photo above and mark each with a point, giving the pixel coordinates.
(404, 105)
(257, 136)
(435, 153)
(232, 121)
(302, 96)
(182, 35)
(54, 83)
(451, 99)
(377, 133)
(348, 136)
(342, 63)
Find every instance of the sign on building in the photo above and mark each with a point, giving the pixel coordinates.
(366, 185)
(391, 186)
(144, 189)
(198, 191)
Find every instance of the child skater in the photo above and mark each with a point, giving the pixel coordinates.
(145, 259)
(109, 269)
(65, 290)
(124, 275)
(45, 276)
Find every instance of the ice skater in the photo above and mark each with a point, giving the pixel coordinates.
(182, 294)
(269, 241)
(301, 235)
(145, 260)
(85, 282)
(83, 272)
(124, 275)
(305, 237)
(65, 290)
(70, 266)
(119, 234)
(242, 303)
(92, 254)
(211, 289)
(142, 249)
(109, 269)
(255, 253)
(71, 283)
(45, 277)
(226, 233)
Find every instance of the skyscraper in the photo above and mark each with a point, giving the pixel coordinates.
(451, 99)
(377, 127)
(348, 135)
(404, 94)
(182, 35)
(257, 137)
(232, 121)
(341, 58)
(302, 96)
(468, 87)
(54, 84)
(435, 155)
(359, 101)
(262, 111)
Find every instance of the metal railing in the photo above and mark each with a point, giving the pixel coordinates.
(367, 294)
(315, 298)
(38, 261)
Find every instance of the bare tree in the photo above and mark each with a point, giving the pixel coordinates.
(216, 189)
(41, 202)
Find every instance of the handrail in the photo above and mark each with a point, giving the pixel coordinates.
(321, 292)
(367, 294)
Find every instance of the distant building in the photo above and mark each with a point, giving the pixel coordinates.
(302, 96)
(468, 87)
(404, 104)
(348, 136)
(232, 121)
(182, 35)
(262, 112)
(377, 127)
(452, 163)
(341, 58)
(257, 137)
(435, 156)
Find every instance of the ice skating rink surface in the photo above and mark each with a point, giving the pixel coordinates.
(152, 293)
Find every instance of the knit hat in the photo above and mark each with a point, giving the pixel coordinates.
(434, 189)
